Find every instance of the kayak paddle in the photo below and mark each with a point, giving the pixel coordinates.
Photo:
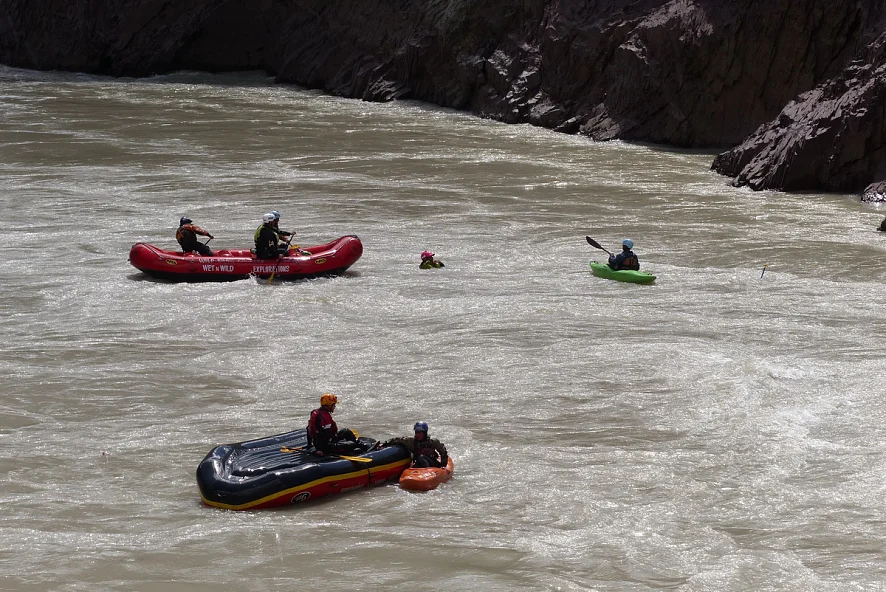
(596, 245)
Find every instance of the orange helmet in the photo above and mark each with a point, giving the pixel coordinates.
(328, 399)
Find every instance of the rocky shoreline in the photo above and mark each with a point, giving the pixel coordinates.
(795, 87)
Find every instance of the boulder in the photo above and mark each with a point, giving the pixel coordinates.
(874, 193)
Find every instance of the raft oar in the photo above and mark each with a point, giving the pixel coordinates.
(356, 459)
(351, 458)
(764, 270)
(271, 279)
(596, 245)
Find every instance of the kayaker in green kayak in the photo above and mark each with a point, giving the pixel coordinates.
(626, 259)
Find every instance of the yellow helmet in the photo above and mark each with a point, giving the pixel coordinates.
(328, 399)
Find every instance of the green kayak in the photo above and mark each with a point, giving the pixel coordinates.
(625, 275)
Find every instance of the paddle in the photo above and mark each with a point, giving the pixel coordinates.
(351, 458)
(356, 459)
(596, 245)
(273, 273)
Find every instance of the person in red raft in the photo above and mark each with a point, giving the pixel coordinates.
(426, 452)
(324, 437)
(186, 235)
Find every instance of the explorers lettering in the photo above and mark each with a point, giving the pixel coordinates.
(270, 268)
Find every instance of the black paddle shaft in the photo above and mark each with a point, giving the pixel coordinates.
(595, 244)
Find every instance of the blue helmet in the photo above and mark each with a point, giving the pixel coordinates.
(276, 214)
(628, 243)
(184, 220)
(421, 426)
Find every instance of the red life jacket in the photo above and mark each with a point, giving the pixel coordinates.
(631, 262)
(321, 428)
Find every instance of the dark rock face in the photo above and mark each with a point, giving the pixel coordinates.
(831, 137)
(683, 72)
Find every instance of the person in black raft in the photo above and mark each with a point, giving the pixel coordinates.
(426, 452)
(186, 235)
(267, 239)
(626, 259)
(324, 437)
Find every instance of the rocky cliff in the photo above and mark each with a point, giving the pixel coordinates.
(692, 73)
(831, 137)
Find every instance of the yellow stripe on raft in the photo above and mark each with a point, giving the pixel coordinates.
(292, 490)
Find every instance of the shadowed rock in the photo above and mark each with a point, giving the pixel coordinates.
(830, 138)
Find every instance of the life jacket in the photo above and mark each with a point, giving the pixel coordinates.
(258, 232)
(424, 448)
(266, 245)
(624, 260)
(631, 262)
(321, 428)
(185, 235)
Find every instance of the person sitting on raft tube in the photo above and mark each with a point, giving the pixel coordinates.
(267, 239)
(626, 259)
(186, 235)
(293, 249)
(281, 233)
(323, 435)
(428, 261)
(426, 452)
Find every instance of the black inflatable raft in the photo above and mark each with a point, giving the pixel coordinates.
(275, 471)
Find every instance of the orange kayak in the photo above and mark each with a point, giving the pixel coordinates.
(426, 479)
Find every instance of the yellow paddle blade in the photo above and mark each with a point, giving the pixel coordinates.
(356, 459)
(351, 458)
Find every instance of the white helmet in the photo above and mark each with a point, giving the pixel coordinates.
(269, 217)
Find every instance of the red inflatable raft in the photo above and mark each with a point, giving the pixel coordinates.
(236, 264)
(426, 479)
